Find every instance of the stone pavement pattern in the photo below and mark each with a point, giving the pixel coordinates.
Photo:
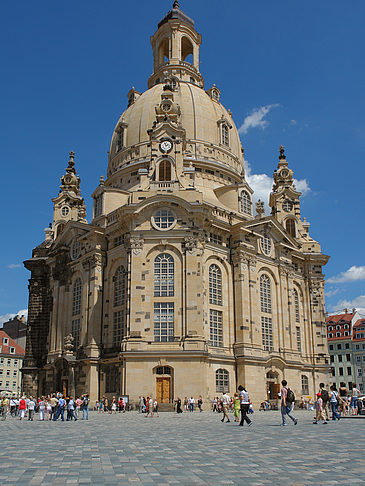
(187, 449)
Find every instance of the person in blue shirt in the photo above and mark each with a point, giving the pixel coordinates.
(71, 410)
(60, 409)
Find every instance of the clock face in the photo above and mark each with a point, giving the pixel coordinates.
(166, 146)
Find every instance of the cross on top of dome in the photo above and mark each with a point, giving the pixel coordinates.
(176, 4)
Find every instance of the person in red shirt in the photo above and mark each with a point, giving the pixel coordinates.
(22, 407)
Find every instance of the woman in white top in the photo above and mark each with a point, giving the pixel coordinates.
(334, 403)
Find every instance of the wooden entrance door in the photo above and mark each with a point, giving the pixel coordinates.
(163, 390)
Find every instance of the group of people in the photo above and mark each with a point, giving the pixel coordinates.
(148, 406)
(51, 407)
(103, 405)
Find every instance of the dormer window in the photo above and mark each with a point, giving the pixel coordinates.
(120, 139)
(245, 203)
(225, 134)
(164, 171)
(290, 227)
(98, 206)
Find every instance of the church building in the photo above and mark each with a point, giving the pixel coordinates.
(177, 286)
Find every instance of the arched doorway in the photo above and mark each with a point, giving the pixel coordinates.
(61, 377)
(272, 386)
(163, 384)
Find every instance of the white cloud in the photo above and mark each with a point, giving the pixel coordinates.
(14, 265)
(358, 303)
(331, 292)
(256, 118)
(262, 185)
(6, 317)
(353, 274)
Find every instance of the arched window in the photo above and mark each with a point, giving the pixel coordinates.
(290, 227)
(305, 385)
(296, 306)
(164, 270)
(187, 50)
(225, 134)
(119, 281)
(164, 171)
(120, 139)
(215, 285)
(265, 294)
(164, 51)
(222, 380)
(76, 298)
(245, 203)
(59, 229)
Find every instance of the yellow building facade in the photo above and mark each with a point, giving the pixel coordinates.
(178, 286)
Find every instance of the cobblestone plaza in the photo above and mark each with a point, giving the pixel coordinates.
(188, 449)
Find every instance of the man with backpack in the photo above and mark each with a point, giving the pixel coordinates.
(287, 401)
(325, 398)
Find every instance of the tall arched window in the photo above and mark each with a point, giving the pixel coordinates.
(265, 294)
(222, 380)
(76, 298)
(225, 134)
(164, 270)
(215, 285)
(290, 227)
(164, 171)
(245, 203)
(119, 281)
(296, 306)
(305, 385)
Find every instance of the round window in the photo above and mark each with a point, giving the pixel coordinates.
(164, 220)
(65, 211)
(266, 245)
(75, 250)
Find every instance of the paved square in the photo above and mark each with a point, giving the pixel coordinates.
(186, 449)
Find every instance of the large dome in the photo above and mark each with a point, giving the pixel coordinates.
(201, 115)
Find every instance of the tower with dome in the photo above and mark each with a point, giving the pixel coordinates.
(177, 286)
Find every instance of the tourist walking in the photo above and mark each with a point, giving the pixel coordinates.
(287, 400)
(31, 407)
(325, 397)
(191, 404)
(200, 403)
(236, 407)
(4, 407)
(343, 398)
(71, 410)
(334, 403)
(319, 410)
(42, 406)
(60, 409)
(155, 408)
(178, 405)
(22, 408)
(85, 407)
(186, 402)
(354, 399)
(244, 405)
(225, 406)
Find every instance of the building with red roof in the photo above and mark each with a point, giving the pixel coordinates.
(358, 351)
(11, 361)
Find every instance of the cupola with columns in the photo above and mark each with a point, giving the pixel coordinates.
(176, 47)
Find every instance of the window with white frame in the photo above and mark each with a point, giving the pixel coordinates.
(305, 385)
(119, 329)
(12, 350)
(330, 335)
(296, 306)
(6, 341)
(215, 285)
(164, 275)
(225, 134)
(120, 139)
(164, 321)
(164, 219)
(119, 287)
(245, 203)
(216, 327)
(217, 239)
(222, 380)
(15, 363)
(265, 294)
(76, 299)
(266, 329)
(76, 331)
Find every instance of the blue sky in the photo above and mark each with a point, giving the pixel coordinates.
(291, 72)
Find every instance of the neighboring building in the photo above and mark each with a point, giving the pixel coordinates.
(339, 336)
(11, 361)
(176, 287)
(16, 328)
(358, 350)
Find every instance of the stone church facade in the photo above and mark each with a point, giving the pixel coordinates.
(177, 286)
